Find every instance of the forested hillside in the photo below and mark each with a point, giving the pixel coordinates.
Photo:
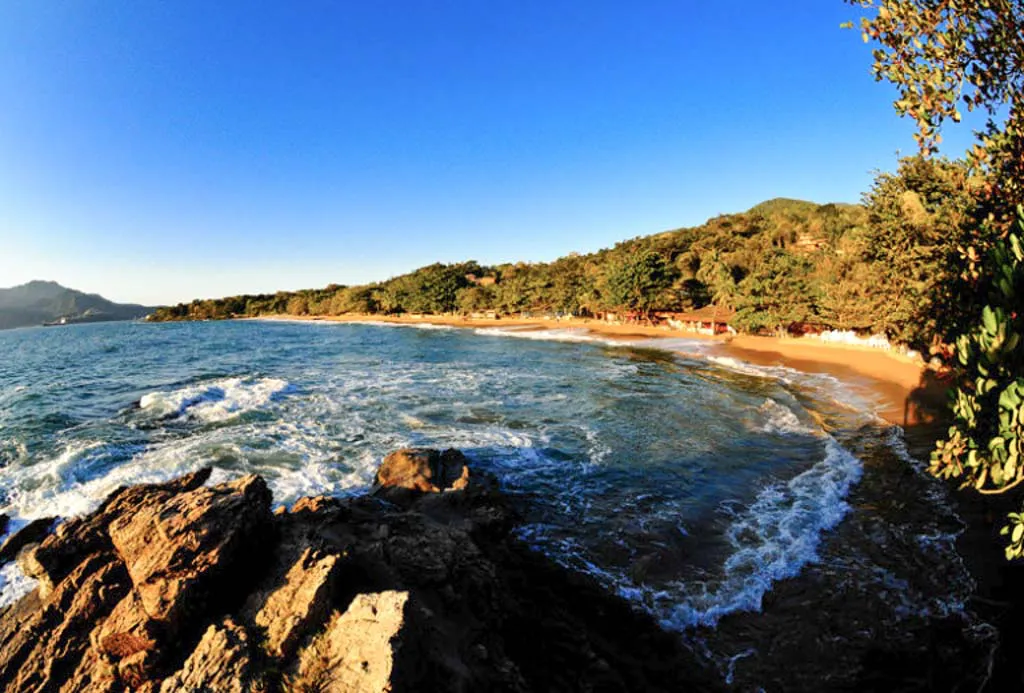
(37, 302)
(876, 267)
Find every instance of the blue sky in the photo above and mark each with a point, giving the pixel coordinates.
(159, 151)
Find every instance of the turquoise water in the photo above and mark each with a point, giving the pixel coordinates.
(686, 482)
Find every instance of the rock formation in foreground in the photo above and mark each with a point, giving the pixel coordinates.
(419, 586)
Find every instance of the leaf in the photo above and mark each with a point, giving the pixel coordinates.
(988, 319)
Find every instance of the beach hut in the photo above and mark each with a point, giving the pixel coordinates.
(710, 319)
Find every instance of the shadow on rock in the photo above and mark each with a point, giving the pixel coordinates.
(419, 585)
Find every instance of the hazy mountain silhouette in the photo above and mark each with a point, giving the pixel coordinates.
(42, 301)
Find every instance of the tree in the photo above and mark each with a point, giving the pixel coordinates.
(776, 295)
(918, 218)
(941, 54)
(639, 282)
(472, 299)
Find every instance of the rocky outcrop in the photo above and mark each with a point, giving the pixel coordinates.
(33, 532)
(418, 586)
(421, 469)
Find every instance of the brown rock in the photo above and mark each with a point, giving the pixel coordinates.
(171, 549)
(59, 553)
(49, 643)
(182, 587)
(424, 469)
(34, 532)
(298, 605)
(221, 662)
(357, 650)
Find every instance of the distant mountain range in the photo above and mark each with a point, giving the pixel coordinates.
(41, 302)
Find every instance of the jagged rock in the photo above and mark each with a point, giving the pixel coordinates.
(58, 554)
(220, 663)
(179, 554)
(357, 650)
(49, 643)
(301, 603)
(423, 469)
(31, 533)
(182, 587)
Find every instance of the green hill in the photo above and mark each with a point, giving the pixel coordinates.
(42, 301)
(880, 267)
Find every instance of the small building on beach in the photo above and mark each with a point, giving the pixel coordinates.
(710, 319)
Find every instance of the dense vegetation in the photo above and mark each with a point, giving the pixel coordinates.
(942, 56)
(37, 302)
(878, 267)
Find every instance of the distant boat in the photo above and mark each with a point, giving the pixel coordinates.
(55, 323)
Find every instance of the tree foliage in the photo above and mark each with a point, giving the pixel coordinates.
(943, 55)
(638, 282)
(782, 263)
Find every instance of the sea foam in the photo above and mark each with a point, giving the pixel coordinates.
(215, 400)
(773, 539)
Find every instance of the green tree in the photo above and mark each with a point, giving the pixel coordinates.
(942, 55)
(918, 219)
(639, 282)
(776, 295)
(475, 298)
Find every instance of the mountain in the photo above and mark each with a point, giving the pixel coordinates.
(39, 301)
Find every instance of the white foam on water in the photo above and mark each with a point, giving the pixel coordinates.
(385, 323)
(780, 419)
(771, 540)
(216, 400)
(568, 334)
(739, 366)
(14, 584)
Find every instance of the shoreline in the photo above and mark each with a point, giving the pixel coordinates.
(904, 391)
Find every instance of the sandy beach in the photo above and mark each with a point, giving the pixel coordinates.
(904, 390)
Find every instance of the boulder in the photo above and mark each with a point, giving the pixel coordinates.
(34, 532)
(59, 553)
(424, 469)
(182, 556)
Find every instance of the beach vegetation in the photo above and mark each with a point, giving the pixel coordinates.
(943, 56)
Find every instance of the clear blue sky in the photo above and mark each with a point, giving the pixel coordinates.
(157, 151)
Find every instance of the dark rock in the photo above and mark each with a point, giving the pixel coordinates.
(4, 520)
(221, 662)
(34, 532)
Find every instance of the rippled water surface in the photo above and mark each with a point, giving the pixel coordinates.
(688, 484)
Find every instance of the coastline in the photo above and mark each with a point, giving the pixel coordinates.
(905, 391)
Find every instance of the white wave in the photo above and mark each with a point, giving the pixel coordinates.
(780, 419)
(569, 334)
(773, 540)
(385, 323)
(14, 584)
(739, 366)
(215, 400)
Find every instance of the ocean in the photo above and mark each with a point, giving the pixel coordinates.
(700, 488)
